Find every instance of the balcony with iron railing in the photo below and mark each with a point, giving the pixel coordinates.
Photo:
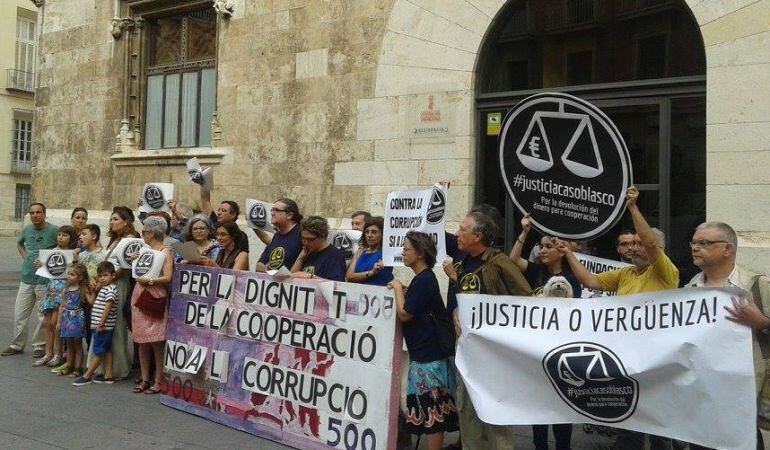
(18, 80)
(20, 165)
(574, 14)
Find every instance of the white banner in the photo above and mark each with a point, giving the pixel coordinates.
(55, 263)
(665, 363)
(258, 215)
(124, 249)
(155, 197)
(149, 264)
(594, 264)
(414, 210)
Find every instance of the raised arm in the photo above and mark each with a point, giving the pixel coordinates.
(649, 239)
(582, 274)
(205, 202)
(263, 236)
(518, 247)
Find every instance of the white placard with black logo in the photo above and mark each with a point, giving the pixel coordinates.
(200, 176)
(594, 264)
(258, 215)
(423, 211)
(123, 251)
(666, 363)
(55, 263)
(155, 197)
(346, 241)
(566, 164)
(149, 264)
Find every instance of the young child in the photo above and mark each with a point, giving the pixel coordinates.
(91, 254)
(66, 239)
(103, 316)
(72, 320)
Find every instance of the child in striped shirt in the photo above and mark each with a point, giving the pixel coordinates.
(103, 315)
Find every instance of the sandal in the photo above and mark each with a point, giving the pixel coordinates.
(41, 362)
(152, 390)
(75, 373)
(141, 387)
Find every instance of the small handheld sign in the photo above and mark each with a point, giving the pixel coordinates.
(258, 215)
(124, 249)
(346, 241)
(155, 197)
(149, 263)
(55, 263)
(566, 164)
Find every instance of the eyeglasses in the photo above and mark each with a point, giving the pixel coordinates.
(276, 210)
(703, 243)
(308, 239)
(629, 244)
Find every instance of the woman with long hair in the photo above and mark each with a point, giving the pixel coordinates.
(366, 266)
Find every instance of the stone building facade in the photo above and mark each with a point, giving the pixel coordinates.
(337, 102)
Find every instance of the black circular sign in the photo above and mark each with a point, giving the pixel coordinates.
(437, 207)
(153, 195)
(566, 164)
(258, 215)
(343, 243)
(131, 248)
(592, 380)
(144, 263)
(56, 264)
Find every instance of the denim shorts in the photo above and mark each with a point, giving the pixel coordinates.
(102, 342)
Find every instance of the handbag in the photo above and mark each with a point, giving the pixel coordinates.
(152, 301)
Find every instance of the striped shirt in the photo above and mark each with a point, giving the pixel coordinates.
(106, 294)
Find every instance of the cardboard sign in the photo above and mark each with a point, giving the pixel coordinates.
(306, 363)
(565, 163)
(596, 265)
(258, 215)
(203, 177)
(656, 362)
(413, 210)
(155, 197)
(346, 241)
(56, 264)
(149, 264)
(124, 249)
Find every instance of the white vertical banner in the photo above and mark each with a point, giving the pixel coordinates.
(666, 363)
(423, 211)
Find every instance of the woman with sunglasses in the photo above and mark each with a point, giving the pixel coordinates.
(366, 266)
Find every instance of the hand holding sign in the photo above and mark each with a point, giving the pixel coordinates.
(122, 254)
(54, 263)
(257, 215)
(632, 195)
(746, 312)
(155, 197)
(149, 264)
(200, 175)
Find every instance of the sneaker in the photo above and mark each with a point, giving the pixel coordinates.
(10, 351)
(38, 353)
(81, 381)
(55, 361)
(60, 369)
(41, 362)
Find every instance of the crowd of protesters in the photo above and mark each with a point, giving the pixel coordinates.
(93, 321)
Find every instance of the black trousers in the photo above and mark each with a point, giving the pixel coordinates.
(562, 432)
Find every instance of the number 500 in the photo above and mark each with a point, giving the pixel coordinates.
(350, 436)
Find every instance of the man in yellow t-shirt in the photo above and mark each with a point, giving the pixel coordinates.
(651, 271)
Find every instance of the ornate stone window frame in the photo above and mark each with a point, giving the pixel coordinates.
(128, 28)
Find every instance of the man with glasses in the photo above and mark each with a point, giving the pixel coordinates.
(714, 247)
(651, 271)
(318, 258)
(227, 211)
(625, 243)
(284, 247)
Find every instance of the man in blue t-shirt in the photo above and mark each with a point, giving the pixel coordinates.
(284, 246)
(34, 237)
(318, 258)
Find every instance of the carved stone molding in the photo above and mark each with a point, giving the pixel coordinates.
(121, 24)
(224, 8)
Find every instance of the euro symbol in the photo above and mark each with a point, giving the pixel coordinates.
(534, 146)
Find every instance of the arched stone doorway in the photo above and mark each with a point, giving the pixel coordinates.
(642, 62)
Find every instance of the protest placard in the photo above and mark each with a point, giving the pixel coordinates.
(423, 211)
(346, 241)
(307, 363)
(666, 363)
(155, 197)
(55, 263)
(149, 264)
(200, 176)
(565, 163)
(258, 215)
(124, 249)
(595, 265)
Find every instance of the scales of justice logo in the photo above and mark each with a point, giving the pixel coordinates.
(56, 264)
(144, 263)
(592, 380)
(131, 248)
(154, 197)
(436, 207)
(344, 244)
(258, 215)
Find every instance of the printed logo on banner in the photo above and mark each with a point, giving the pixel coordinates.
(592, 380)
(56, 264)
(153, 195)
(566, 164)
(131, 248)
(144, 263)
(344, 244)
(258, 215)
(437, 207)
